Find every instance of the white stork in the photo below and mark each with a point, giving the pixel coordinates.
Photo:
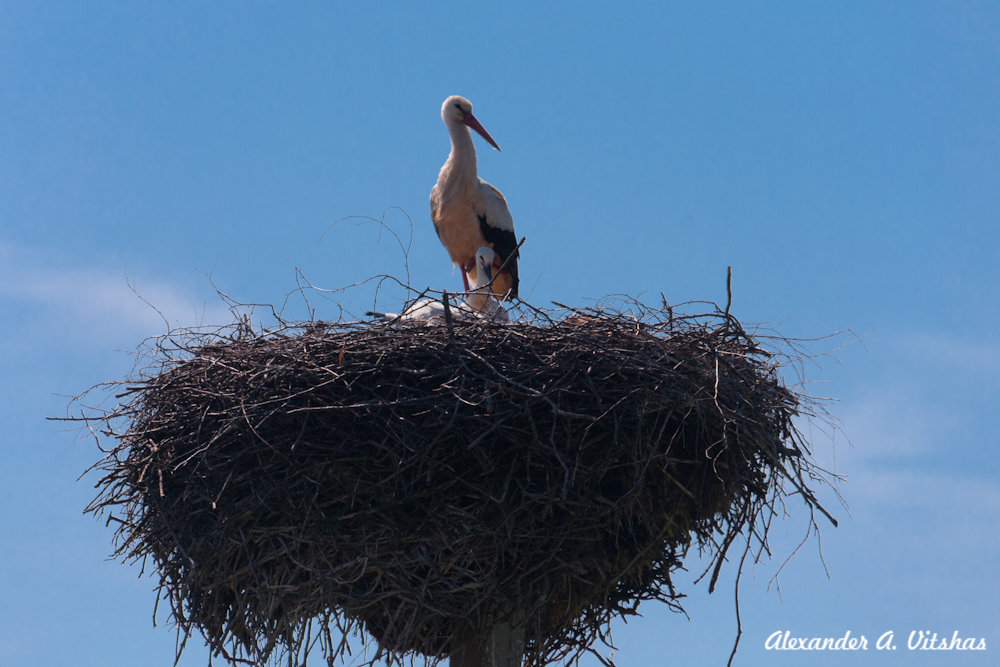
(479, 303)
(468, 212)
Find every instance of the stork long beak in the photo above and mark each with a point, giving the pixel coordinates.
(471, 121)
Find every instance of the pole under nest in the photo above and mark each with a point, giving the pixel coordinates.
(499, 646)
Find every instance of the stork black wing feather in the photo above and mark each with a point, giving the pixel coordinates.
(504, 243)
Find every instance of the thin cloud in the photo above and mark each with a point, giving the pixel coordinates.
(896, 464)
(952, 353)
(892, 423)
(925, 491)
(88, 303)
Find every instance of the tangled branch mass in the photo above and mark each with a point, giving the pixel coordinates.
(424, 483)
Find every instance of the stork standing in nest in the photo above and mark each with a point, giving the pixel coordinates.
(468, 212)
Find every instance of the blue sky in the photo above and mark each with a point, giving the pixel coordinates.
(843, 158)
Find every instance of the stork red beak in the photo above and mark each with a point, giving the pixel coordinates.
(471, 121)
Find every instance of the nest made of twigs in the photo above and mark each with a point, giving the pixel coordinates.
(427, 481)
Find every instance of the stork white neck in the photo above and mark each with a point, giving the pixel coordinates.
(462, 158)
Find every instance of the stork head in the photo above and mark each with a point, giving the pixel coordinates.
(484, 266)
(457, 110)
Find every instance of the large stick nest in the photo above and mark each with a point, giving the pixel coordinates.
(426, 482)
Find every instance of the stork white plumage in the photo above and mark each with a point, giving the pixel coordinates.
(468, 212)
(480, 303)
(424, 310)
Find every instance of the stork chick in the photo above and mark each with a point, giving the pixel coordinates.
(479, 303)
(482, 299)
